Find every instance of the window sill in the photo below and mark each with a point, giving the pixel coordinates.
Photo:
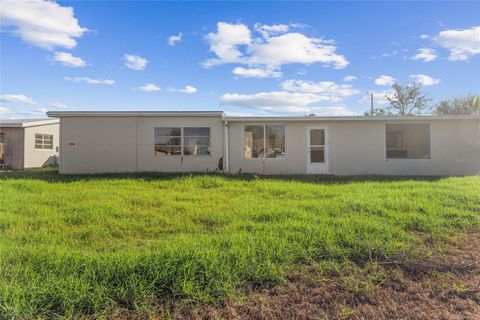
(44, 150)
(396, 159)
(257, 159)
(178, 156)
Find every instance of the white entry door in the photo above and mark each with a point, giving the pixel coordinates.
(317, 149)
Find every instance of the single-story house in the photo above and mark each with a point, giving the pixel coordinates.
(28, 143)
(99, 142)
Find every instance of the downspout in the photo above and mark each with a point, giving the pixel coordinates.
(60, 146)
(136, 147)
(227, 151)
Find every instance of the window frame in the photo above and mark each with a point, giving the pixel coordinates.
(209, 141)
(43, 142)
(403, 144)
(429, 140)
(323, 146)
(182, 142)
(264, 140)
(2, 150)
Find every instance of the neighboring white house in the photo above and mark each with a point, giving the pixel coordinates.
(28, 143)
(98, 142)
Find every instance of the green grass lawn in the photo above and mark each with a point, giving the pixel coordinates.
(85, 245)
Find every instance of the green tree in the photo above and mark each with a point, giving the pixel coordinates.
(407, 99)
(377, 112)
(460, 105)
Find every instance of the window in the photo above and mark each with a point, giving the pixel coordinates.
(317, 145)
(2, 144)
(264, 141)
(43, 141)
(395, 140)
(178, 141)
(196, 141)
(168, 141)
(407, 141)
(254, 142)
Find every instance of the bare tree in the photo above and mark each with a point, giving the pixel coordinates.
(459, 105)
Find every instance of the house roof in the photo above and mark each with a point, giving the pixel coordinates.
(357, 118)
(59, 114)
(24, 123)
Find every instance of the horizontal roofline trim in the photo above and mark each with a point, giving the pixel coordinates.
(221, 114)
(28, 123)
(60, 114)
(356, 118)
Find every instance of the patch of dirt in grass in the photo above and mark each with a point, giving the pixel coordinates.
(440, 287)
(443, 286)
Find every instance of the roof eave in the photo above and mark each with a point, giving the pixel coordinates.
(60, 114)
(29, 124)
(356, 118)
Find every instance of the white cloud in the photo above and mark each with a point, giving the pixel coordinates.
(299, 25)
(292, 48)
(463, 44)
(379, 97)
(297, 96)
(302, 72)
(384, 80)
(270, 30)
(233, 43)
(349, 78)
(187, 89)
(67, 59)
(41, 112)
(59, 105)
(135, 62)
(4, 111)
(385, 55)
(149, 87)
(424, 36)
(424, 79)
(45, 24)
(90, 80)
(225, 42)
(173, 40)
(283, 102)
(19, 114)
(425, 54)
(256, 72)
(17, 98)
(329, 88)
(273, 99)
(389, 54)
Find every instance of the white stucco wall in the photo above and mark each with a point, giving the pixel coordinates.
(34, 158)
(358, 147)
(97, 144)
(126, 144)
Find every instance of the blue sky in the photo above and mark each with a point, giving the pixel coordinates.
(253, 58)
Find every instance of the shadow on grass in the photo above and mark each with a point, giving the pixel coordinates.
(52, 175)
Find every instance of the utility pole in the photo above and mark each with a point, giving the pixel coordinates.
(371, 103)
